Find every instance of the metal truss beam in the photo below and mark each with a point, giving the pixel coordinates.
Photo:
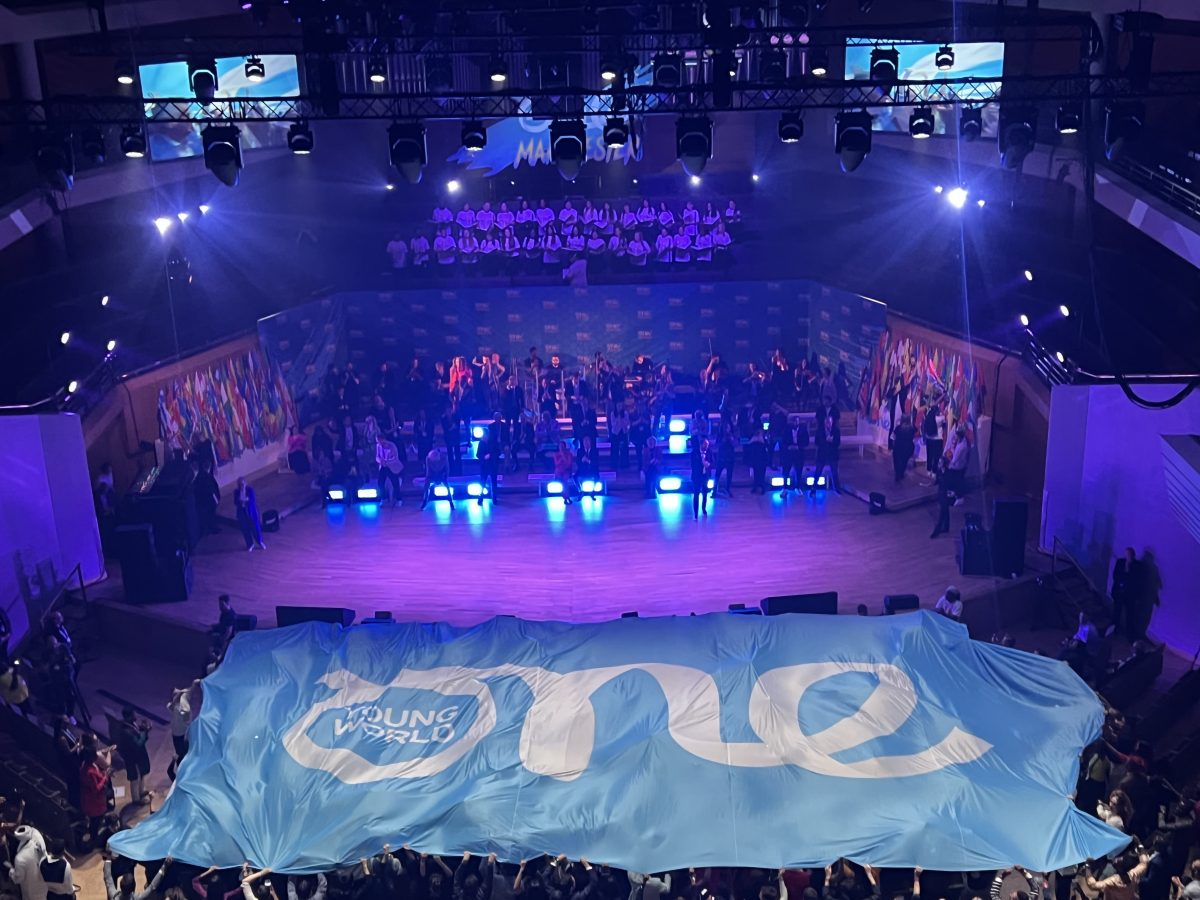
(639, 101)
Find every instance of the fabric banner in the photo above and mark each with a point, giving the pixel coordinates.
(648, 744)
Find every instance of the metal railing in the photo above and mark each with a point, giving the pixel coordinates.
(1161, 184)
(41, 604)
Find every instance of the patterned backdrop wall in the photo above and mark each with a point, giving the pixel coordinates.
(676, 323)
(905, 372)
(240, 403)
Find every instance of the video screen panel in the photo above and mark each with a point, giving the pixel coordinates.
(973, 60)
(177, 140)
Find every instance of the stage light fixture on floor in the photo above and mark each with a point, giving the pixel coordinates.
(377, 70)
(202, 76)
(970, 123)
(124, 72)
(694, 143)
(553, 488)
(478, 432)
(54, 159)
(668, 70)
(256, 70)
(818, 62)
(568, 146)
(677, 425)
(223, 152)
(1016, 135)
(944, 58)
(1068, 118)
(475, 490)
(133, 142)
(1058, 354)
(367, 494)
(791, 127)
(497, 71)
(670, 484)
(852, 138)
(442, 491)
(885, 64)
(773, 68)
(335, 494)
(474, 136)
(407, 151)
(300, 138)
(591, 487)
(957, 197)
(814, 481)
(616, 132)
(1122, 124)
(778, 481)
(921, 123)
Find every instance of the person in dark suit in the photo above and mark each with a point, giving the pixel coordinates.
(701, 471)
(777, 426)
(903, 446)
(756, 459)
(934, 445)
(795, 443)
(246, 504)
(489, 461)
(208, 495)
(1126, 582)
(829, 445)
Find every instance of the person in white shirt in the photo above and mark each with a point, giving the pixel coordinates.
(645, 214)
(663, 246)
(616, 244)
(504, 218)
(442, 215)
(574, 240)
(638, 250)
(551, 247)
(398, 251)
(666, 218)
(704, 247)
(180, 706)
(733, 215)
(489, 250)
(524, 216)
(420, 250)
(652, 887)
(485, 219)
(568, 215)
(510, 246)
(596, 244)
(629, 218)
(588, 216)
(683, 247)
(950, 604)
(444, 247)
(465, 217)
(544, 216)
(606, 219)
(721, 238)
(691, 219)
(468, 248)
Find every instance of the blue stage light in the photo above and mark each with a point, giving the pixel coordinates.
(810, 481)
(766, 426)
(554, 488)
(669, 484)
(441, 491)
(591, 486)
(478, 432)
(368, 493)
(335, 495)
(677, 443)
(475, 489)
(778, 481)
(712, 484)
(677, 426)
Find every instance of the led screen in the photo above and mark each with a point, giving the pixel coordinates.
(175, 140)
(981, 60)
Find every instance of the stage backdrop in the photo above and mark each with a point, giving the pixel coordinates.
(1119, 475)
(677, 323)
(239, 402)
(648, 744)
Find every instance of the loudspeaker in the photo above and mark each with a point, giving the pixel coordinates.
(820, 604)
(176, 572)
(974, 552)
(294, 615)
(270, 520)
(878, 504)
(139, 562)
(629, 615)
(894, 603)
(244, 623)
(740, 609)
(1009, 520)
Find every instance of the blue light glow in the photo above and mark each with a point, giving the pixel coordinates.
(712, 484)
(669, 484)
(441, 491)
(369, 510)
(778, 481)
(368, 493)
(475, 489)
(677, 443)
(337, 495)
(677, 426)
(554, 488)
(478, 432)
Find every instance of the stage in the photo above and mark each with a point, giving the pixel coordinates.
(594, 560)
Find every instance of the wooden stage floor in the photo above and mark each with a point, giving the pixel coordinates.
(591, 561)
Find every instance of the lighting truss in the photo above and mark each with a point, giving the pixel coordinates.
(640, 100)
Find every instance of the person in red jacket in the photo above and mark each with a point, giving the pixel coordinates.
(93, 791)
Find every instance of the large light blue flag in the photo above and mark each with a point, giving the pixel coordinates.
(648, 744)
